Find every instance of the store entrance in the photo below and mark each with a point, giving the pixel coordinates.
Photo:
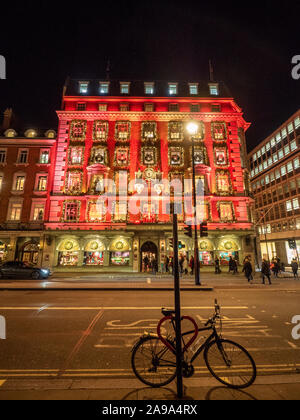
(149, 253)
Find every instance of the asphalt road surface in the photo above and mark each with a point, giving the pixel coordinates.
(82, 334)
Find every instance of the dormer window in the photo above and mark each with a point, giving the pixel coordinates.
(30, 133)
(173, 88)
(83, 87)
(149, 88)
(104, 88)
(10, 133)
(193, 88)
(214, 89)
(124, 88)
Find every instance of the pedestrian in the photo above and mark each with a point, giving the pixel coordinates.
(235, 266)
(154, 266)
(181, 264)
(275, 267)
(247, 269)
(217, 266)
(231, 265)
(192, 264)
(185, 265)
(171, 266)
(295, 267)
(146, 263)
(167, 263)
(265, 271)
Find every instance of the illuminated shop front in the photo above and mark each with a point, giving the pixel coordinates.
(227, 248)
(206, 252)
(119, 253)
(94, 253)
(3, 251)
(68, 254)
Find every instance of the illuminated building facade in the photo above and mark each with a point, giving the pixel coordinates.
(26, 172)
(275, 169)
(133, 135)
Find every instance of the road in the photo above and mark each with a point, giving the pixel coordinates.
(82, 334)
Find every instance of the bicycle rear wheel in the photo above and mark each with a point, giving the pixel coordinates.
(230, 364)
(153, 363)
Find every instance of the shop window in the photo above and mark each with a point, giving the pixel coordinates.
(100, 130)
(175, 129)
(149, 130)
(76, 155)
(219, 130)
(73, 182)
(200, 133)
(122, 131)
(78, 130)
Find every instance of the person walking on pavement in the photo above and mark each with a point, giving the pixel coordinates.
(295, 267)
(192, 265)
(167, 263)
(181, 265)
(275, 267)
(217, 266)
(154, 266)
(185, 265)
(247, 269)
(231, 265)
(265, 271)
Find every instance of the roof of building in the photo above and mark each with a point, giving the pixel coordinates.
(137, 88)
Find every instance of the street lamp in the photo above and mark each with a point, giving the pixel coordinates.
(192, 128)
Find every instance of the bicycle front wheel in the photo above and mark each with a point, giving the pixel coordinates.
(230, 364)
(153, 363)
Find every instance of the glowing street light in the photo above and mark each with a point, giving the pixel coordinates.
(192, 128)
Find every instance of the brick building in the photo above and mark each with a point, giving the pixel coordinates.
(275, 169)
(26, 171)
(116, 139)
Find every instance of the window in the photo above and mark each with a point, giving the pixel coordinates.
(148, 107)
(290, 167)
(104, 88)
(75, 155)
(287, 149)
(275, 157)
(71, 211)
(214, 89)
(102, 107)
(122, 130)
(226, 211)
(83, 87)
(173, 107)
(175, 130)
(100, 130)
(149, 130)
(280, 154)
(15, 211)
(278, 138)
(124, 107)
(172, 88)
(220, 156)
(19, 183)
(293, 145)
(290, 128)
(2, 156)
(96, 211)
(73, 182)
(195, 108)
(97, 184)
(193, 88)
(23, 156)
(288, 205)
(98, 155)
(297, 122)
(295, 203)
(296, 163)
(121, 156)
(124, 88)
(120, 211)
(42, 183)
(38, 212)
(219, 131)
(78, 130)
(149, 88)
(283, 170)
(45, 156)
(216, 108)
(81, 106)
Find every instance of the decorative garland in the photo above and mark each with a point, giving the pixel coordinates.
(97, 124)
(63, 218)
(223, 148)
(102, 159)
(118, 131)
(73, 191)
(179, 161)
(148, 153)
(149, 127)
(70, 155)
(223, 172)
(175, 128)
(214, 125)
(101, 219)
(198, 149)
(121, 162)
(78, 130)
(219, 204)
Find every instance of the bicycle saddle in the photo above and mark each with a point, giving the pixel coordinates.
(167, 312)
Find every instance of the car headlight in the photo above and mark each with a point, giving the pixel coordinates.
(43, 270)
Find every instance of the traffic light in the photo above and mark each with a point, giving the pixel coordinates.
(203, 229)
(292, 244)
(188, 230)
(179, 245)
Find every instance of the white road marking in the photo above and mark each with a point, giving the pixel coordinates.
(97, 308)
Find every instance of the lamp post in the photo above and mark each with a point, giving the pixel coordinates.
(192, 128)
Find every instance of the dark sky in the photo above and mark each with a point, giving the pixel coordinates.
(251, 48)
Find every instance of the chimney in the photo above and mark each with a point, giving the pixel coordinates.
(7, 118)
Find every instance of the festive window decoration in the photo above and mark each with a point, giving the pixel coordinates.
(200, 155)
(221, 156)
(218, 130)
(149, 156)
(100, 130)
(98, 155)
(175, 131)
(71, 211)
(97, 184)
(149, 131)
(176, 156)
(226, 211)
(203, 211)
(223, 184)
(122, 130)
(149, 212)
(73, 182)
(200, 133)
(78, 130)
(96, 212)
(75, 156)
(119, 211)
(121, 156)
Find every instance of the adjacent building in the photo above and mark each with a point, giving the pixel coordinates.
(275, 179)
(123, 139)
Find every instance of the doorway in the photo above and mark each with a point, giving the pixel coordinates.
(149, 252)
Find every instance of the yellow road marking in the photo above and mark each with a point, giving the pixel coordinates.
(95, 308)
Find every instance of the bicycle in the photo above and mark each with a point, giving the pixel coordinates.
(153, 357)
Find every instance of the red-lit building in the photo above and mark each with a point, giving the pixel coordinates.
(26, 171)
(134, 134)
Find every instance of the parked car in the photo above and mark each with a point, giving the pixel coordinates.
(18, 269)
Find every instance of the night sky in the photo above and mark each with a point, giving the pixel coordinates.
(251, 48)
